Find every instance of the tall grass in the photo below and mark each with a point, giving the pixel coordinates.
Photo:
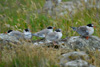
(29, 56)
(35, 56)
(18, 15)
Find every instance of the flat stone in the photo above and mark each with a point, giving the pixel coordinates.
(73, 56)
(7, 38)
(76, 63)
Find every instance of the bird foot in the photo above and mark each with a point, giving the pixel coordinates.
(87, 37)
(54, 43)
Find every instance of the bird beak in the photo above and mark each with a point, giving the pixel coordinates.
(94, 26)
(53, 27)
(5, 32)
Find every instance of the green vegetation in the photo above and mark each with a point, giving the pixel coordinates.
(29, 56)
(21, 14)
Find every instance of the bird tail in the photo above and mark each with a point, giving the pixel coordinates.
(34, 35)
(74, 28)
(42, 36)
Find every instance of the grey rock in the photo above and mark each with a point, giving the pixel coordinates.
(48, 5)
(68, 7)
(91, 65)
(56, 2)
(73, 56)
(61, 7)
(77, 42)
(77, 63)
(6, 38)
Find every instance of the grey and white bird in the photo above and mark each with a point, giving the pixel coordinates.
(85, 31)
(27, 34)
(44, 32)
(54, 36)
(17, 34)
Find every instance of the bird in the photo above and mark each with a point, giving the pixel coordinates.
(17, 34)
(27, 34)
(85, 31)
(54, 36)
(44, 32)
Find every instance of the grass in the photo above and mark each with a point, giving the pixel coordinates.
(25, 56)
(21, 14)
(35, 56)
(18, 17)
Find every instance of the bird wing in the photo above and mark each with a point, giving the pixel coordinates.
(41, 33)
(74, 28)
(17, 34)
(83, 31)
(52, 36)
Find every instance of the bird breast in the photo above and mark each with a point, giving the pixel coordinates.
(59, 35)
(91, 30)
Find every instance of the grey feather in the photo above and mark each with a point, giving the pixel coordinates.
(83, 31)
(38, 35)
(74, 28)
(17, 34)
(42, 33)
(51, 37)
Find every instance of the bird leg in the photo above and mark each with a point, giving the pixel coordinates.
(54, 43)
(87, 37)
(5, 32)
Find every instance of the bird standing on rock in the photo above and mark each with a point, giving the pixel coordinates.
(54, 36)
(19, 35)
(27, 34)
(44, 32)
(85, 31)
